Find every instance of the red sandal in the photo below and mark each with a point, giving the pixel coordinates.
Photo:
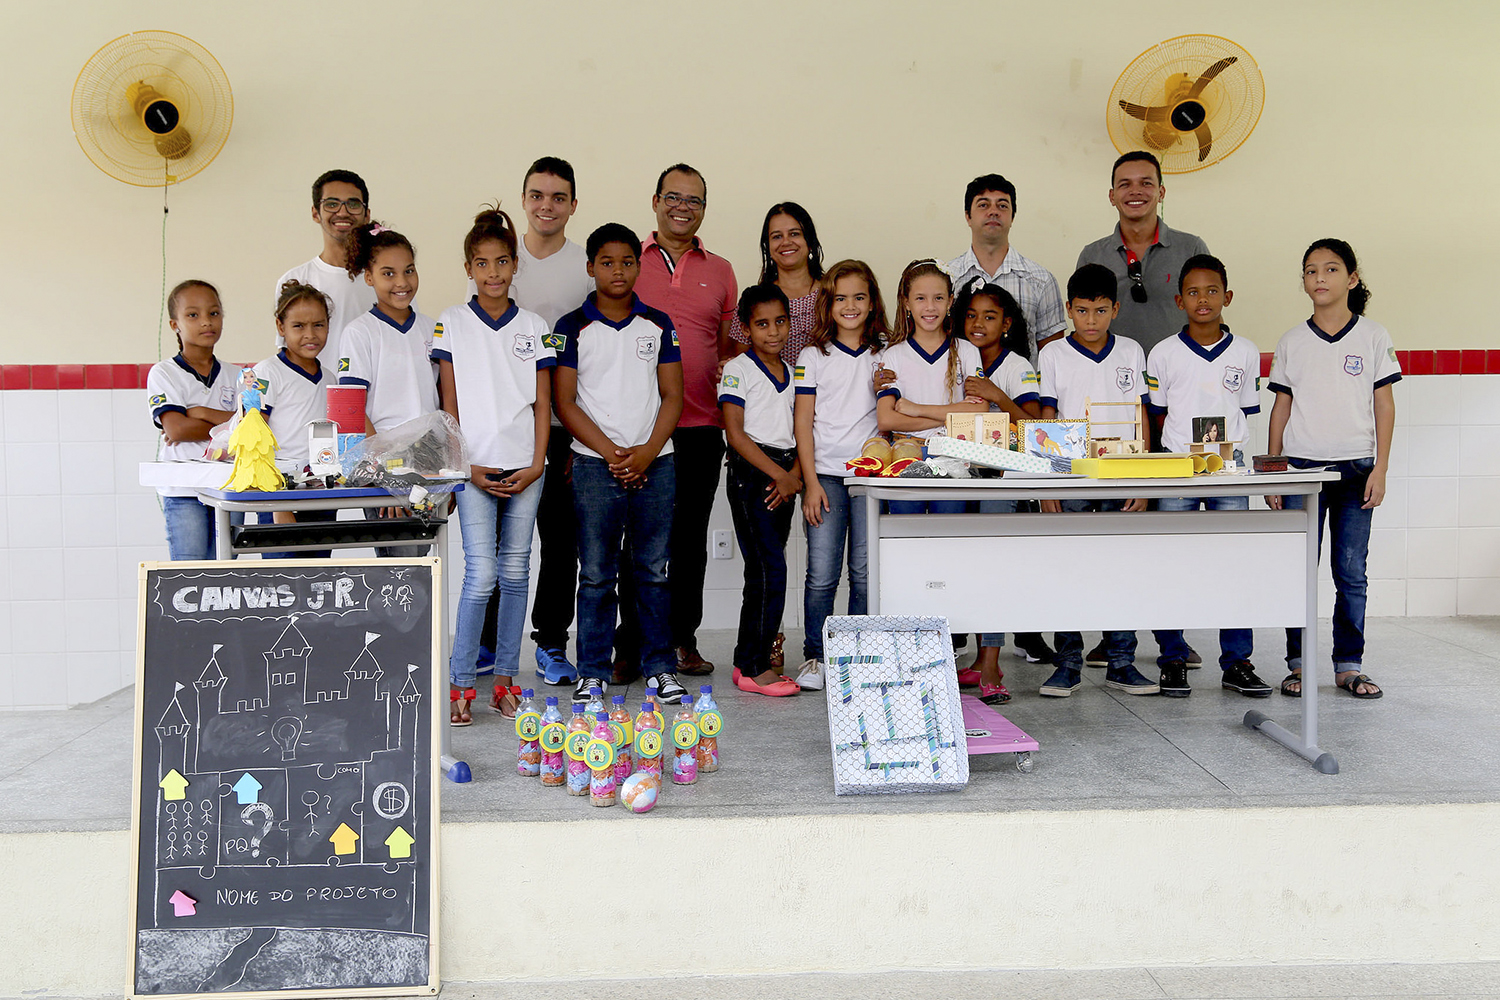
(459, 702)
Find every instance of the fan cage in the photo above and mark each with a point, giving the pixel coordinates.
(113, 136)
(1234, 99)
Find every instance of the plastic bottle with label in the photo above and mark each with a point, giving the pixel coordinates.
(603, 789)
(595, 705)
(654, 700)
(650, 743)
(685, 744)
(528, 731)
(624, 733)
(709, 724)
(579, 733)
(554, 734)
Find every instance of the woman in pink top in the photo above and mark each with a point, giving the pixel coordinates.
(792, 259)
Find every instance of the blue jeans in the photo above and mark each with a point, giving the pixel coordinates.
(926, 506)
(190, 528)
(995, 640)
(762, 537)
(842, 521)
(1119, 647)
(497, 552)
(607, 514)
(1341, 504)
(303, 517)
(1235, 644)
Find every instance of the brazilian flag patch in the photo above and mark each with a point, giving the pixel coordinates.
(1031, 378)
(160, 399)
(555, 341)
(1151, 382)
(343, 364)
(731, 381)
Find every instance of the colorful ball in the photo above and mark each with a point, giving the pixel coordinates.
(639, 791)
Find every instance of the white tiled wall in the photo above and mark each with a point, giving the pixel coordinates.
(74, 524)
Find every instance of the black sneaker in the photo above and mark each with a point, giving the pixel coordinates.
(1241, 677)
(667, 688)
(1097, 657)
(581, 689)
(1174, 683)
(1031, 647)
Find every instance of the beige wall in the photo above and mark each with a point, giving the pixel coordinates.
(1378, 122)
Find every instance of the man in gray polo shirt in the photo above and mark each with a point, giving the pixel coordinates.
(1145, 255)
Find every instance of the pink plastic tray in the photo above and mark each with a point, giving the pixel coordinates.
(990, 732)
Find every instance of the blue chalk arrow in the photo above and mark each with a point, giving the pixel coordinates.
(247, 788)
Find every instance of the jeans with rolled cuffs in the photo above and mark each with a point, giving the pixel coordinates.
(1119, 646)
(191, 531)
(497, 556)
(844, 524)
(1235, 644)
(1341, 504)
(762, 536)
(609, 513)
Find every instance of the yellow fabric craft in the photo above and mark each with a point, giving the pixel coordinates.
(254, 449)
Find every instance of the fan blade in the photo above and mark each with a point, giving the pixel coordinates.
(1210, 73)
(1205, 141)
(1160, 114)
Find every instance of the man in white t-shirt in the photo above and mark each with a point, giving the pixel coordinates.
(340, 202)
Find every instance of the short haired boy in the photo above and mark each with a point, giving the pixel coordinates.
(1205, 371)
(755, 395)
(1092, 364)
(619, 393)
(340, 203)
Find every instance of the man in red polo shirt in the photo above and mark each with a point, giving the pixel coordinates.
(698, 291)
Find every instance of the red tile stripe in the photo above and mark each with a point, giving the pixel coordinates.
(1452, 362)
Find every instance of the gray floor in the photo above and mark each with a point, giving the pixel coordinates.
(1429, 740)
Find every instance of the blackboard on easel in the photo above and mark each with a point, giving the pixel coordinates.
(285, 801)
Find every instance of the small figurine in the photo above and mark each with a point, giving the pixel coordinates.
(253, 445)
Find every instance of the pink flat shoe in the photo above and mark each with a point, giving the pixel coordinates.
(776, 689)
(993, 694)
(968, 678)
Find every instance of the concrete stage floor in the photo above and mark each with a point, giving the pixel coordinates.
(1430, 739)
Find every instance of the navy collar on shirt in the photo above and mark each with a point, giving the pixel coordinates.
(281, 356)
(390, 322)
(992, 369)
(593, 315)
(207, 380)
(1207, 353)
(935, 355)
(854, 353)
(1098, 359)
(493, 324)
(1337, 336)
(779, 383)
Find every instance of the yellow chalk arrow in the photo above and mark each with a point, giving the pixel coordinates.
(400, 843)
(174, 785)
(343, 839)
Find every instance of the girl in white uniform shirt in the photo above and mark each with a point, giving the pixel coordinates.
(1335, 409)
(930, 365)
(495, 371)
(189, 395)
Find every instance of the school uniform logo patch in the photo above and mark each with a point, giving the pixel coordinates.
(1354, 364)
(343, 364)
(1234, 378)
(799, 373)
(1391, 353)
(1125, 379)
(1031, 378)
(1151, 382)
(437, 332)
(645, 347)
(556, 341)
(159, 399)
(524, 347)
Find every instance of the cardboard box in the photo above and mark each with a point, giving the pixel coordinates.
(983, 428)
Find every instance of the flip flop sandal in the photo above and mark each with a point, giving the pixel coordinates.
(505, 702)
(1351, 683)
(1288, 680)
(459, 700)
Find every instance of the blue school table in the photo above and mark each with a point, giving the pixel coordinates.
(1206, 569)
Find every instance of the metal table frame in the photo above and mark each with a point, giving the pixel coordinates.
(1306, 484)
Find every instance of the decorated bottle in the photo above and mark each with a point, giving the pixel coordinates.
(579, 733)
(709, 724)
(653, 699)
(685, 744)
(595, 705)
(529, 731)
(649, 742)
(600, 754)
(554, 735)
(623, 731)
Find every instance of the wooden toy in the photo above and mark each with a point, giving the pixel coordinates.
(1116, 427)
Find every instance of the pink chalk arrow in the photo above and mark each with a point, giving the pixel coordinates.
(183, 905)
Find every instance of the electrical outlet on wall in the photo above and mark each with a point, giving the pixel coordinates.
(723, 544)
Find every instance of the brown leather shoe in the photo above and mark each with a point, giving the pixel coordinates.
(690, 662)
(623, 673)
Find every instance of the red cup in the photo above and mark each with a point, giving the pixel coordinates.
(346, 408)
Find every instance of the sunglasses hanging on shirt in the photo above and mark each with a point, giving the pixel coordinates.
(1137, 282)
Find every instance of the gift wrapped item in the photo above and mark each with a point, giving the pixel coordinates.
(988, 455)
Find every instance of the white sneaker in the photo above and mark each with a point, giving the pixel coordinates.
(810, 676)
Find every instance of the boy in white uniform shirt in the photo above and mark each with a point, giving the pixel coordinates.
(340, 202)
(1092, 364)
(755, 396)
(1205, 371)
(619, 393)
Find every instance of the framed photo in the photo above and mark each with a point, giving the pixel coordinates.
(1208, 430)
(1055, 438)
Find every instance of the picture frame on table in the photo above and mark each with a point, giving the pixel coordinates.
(1054, 438)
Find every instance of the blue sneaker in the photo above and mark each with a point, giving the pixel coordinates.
(552, 666)
(1062, 683)
(485, 665)
(1130, 680)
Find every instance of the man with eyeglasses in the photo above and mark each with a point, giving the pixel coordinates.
(1144, 254)
(340, 202)
(697, 289)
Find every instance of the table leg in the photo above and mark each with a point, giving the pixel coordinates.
(1307, 745)
(454, 770)
(872, 546)
(222, 549)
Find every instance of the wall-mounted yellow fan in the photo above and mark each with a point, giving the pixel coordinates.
(1192, 100)
(152, 108)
